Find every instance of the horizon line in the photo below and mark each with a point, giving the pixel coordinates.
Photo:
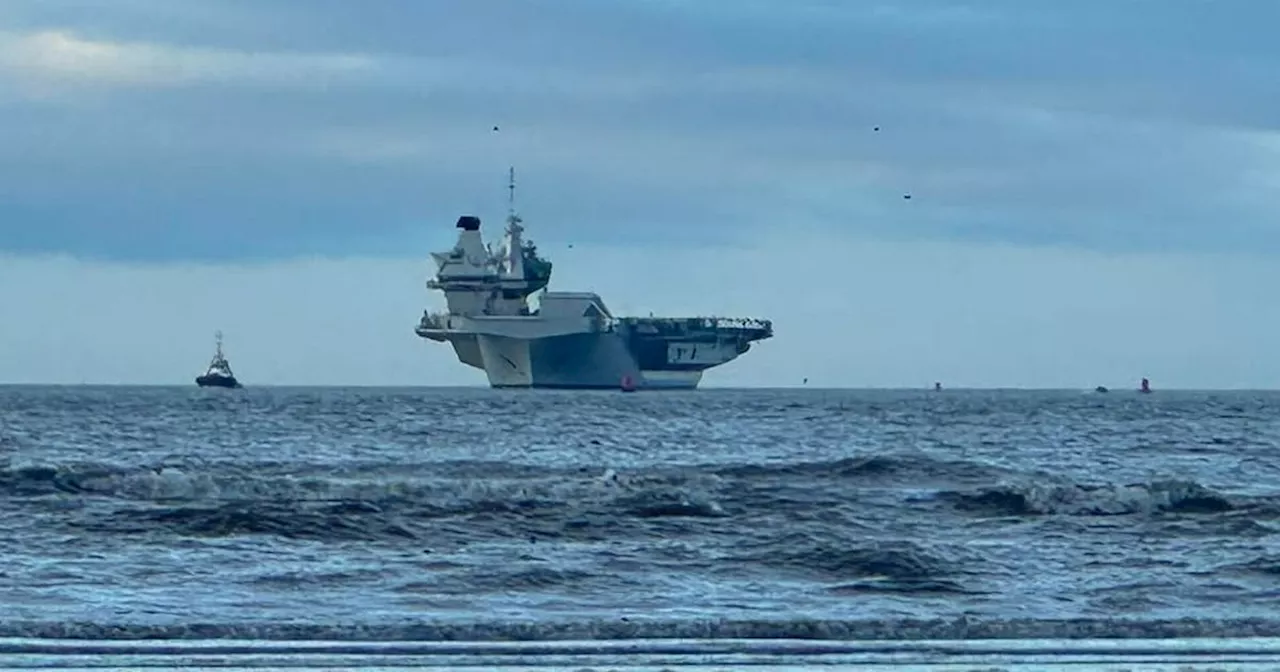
(927, 388)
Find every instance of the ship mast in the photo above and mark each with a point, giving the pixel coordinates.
(512, 217)
(217, 339)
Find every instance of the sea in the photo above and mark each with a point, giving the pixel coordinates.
(436, 515)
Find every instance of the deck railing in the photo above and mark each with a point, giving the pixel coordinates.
(748, 323)
(442, 321)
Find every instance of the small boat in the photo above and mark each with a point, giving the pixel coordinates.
(219, 372)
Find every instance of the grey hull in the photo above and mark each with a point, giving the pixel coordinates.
(573, 362)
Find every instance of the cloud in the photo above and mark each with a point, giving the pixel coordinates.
(58, 57)
(914, 15)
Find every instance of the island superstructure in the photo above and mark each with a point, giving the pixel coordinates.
(567, 340)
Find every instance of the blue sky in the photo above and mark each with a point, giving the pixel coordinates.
(1094, 184)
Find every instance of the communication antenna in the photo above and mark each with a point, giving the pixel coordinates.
(511, 195)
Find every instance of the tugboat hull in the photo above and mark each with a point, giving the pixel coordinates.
(217, 381)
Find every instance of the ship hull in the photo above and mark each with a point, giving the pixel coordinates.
(595, 360)
(208, 380)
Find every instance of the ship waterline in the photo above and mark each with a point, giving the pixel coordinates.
(570, 340)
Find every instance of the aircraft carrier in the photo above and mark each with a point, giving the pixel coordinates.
(567, 340)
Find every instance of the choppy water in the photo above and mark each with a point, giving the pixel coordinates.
(709, 513)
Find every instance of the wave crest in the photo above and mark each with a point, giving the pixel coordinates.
(1169, 496)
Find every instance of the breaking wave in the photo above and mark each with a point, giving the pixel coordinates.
(366, 506)
(1091, 500)
(382, 502)
(874, 467)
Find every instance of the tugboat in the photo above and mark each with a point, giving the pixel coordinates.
(219, 372)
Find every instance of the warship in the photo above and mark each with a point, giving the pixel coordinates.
(503, 319)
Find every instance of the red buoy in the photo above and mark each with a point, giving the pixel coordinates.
(628, 385)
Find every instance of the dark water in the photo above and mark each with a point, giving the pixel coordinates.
(649, 513)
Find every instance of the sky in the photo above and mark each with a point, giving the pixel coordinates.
(1094, 185)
